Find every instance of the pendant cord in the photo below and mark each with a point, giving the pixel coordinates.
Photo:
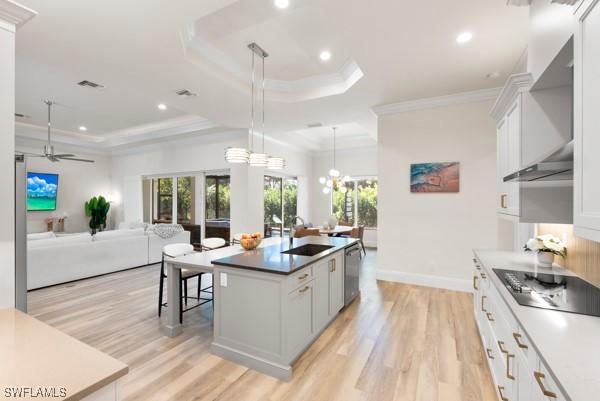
(252, 110)
(263, 104)
(334, 129)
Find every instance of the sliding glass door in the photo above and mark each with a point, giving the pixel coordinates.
(218, 203)
(162, 190)
(280, 203)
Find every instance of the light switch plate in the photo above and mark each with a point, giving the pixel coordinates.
(223, 278)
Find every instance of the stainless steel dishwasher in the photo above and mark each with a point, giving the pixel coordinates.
(351, 266)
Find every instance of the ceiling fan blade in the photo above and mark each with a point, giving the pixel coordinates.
(30, 154)
(64, 155)
(75, 159)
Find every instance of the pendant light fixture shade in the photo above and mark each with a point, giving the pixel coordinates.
(258, 159)
(237, 155)
(276, 163)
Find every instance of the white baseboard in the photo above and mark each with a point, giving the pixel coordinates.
(426, 280)
(370, 244)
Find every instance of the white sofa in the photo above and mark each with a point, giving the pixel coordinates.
(59, 259)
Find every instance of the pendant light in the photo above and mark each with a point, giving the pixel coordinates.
(333, 180)
(241, 155)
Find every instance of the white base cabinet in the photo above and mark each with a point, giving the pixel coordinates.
(518, 372)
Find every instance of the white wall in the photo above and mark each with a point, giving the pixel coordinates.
(7, 164)
(77, 183)
(352, 162)
(428, 238)
(206, 153)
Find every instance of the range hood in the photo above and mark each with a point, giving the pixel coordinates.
(556, 167)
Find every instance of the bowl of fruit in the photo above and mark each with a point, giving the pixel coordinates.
(251, 241)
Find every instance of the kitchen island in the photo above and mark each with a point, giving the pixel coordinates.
(270, 303)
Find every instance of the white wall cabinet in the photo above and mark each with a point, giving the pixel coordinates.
(517, 370)
(587, 121)
(509, 158)
(531, 126)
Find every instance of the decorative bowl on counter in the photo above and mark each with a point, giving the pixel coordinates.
(251, 241)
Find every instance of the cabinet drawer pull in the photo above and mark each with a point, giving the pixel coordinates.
(508, 374)
(489, 353)
(517, 338)
(501, 346)
(503, 204)
(490, 317)
(304, 289)
(483, 275)
(483, 298)
(538, 378)
(475, 283)
(302, 277)
(333, 267)
(500, 391)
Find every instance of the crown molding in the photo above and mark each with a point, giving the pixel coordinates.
(13, 15)
(515, 84)
(439, 101)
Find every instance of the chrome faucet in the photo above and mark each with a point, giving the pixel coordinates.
(292, 230)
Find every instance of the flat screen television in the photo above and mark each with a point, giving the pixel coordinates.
(41, 191)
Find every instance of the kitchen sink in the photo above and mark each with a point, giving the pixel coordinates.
(308, 250)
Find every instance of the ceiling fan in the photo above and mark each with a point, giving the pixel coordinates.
(49, 148)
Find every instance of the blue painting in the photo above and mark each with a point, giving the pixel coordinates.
(435, 177)
(41, 191)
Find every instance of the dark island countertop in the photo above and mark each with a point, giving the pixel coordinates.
(271, 259)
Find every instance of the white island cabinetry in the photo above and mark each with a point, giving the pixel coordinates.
(266, 321)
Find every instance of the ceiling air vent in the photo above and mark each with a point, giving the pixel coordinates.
(185, 92)
(90, 84)
(314, 125)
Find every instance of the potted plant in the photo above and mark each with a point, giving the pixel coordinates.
(97, 210)
(546, 246)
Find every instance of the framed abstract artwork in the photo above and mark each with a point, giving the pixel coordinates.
(435, 177)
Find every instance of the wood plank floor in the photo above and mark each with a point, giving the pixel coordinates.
(397, 342)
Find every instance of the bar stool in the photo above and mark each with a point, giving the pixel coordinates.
(173, 251)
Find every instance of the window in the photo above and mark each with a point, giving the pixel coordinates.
(344, 204)
(280, 203)
(367, 202)
(357, 206)
(185, 200)
(163, 191)
(217, 197)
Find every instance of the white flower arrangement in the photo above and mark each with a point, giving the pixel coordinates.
(546, 243)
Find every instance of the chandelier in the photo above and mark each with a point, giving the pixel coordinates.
(242, 155)
(334, 180)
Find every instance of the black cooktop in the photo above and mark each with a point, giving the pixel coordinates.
(552, 291)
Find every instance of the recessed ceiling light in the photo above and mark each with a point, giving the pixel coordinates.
(325, 55)
(82, 128)
(464, 37)
(162, 106)
(282, 3)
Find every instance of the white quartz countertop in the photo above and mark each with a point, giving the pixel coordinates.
(34, 355)
(568, 343)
